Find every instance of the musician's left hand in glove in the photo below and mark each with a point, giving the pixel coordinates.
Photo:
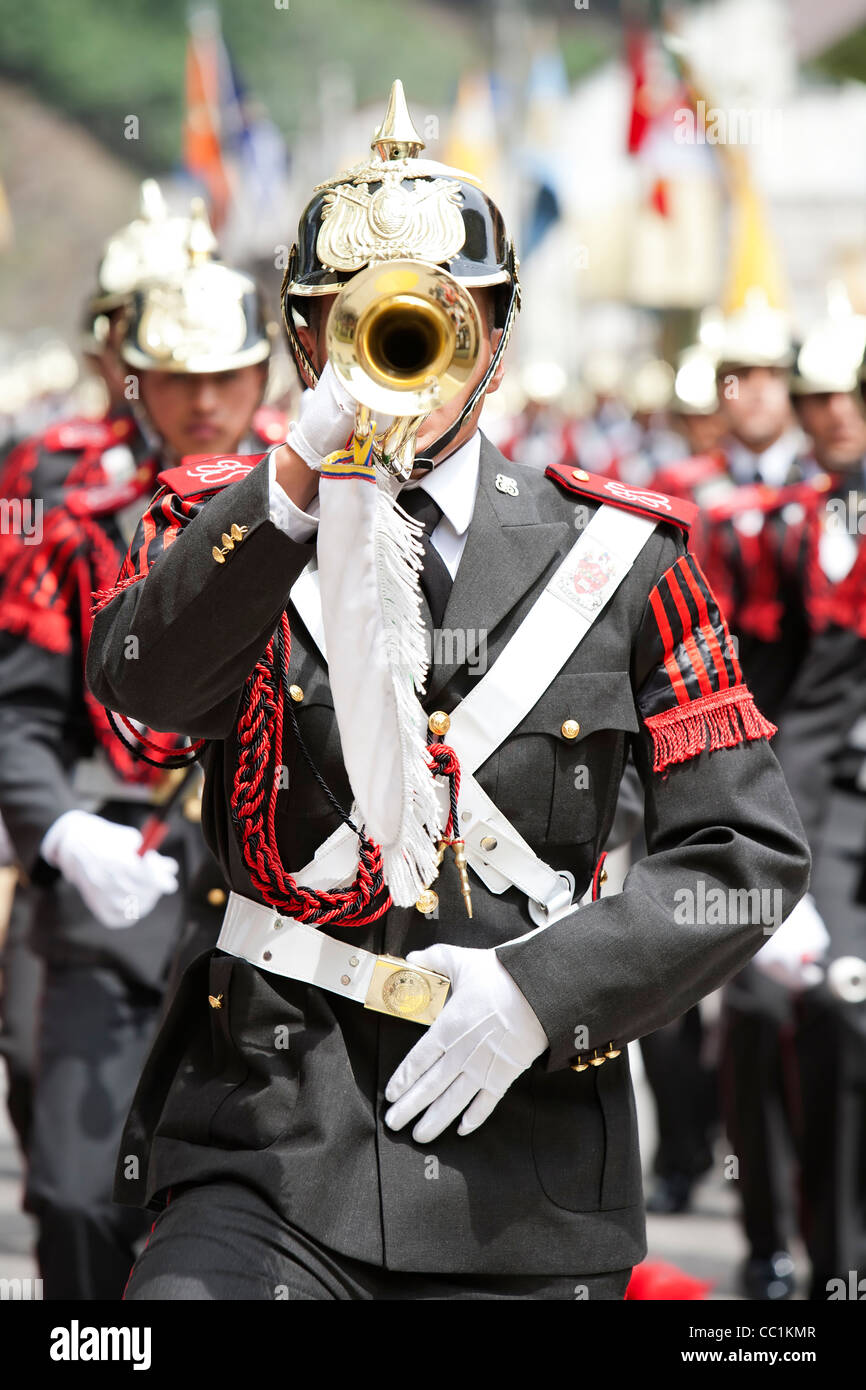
(485, 1036)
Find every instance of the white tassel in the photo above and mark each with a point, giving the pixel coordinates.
(409, 864)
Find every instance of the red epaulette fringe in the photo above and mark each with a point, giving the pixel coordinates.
(102, 597)
(719, 720)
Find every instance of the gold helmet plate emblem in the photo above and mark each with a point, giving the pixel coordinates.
(421, 220)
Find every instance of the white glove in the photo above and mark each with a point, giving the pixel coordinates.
(485, 1036)
(100, 859)
(792, 953)
(326, 420)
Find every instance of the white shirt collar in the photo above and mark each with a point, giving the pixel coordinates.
(772, 466)
(454, 483)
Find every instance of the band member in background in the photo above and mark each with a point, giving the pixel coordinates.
(110, 856)
(75, 452)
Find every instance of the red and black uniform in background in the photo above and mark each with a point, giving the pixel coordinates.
(103, 989)
(35, 474)
(759, 546)
(822, 746)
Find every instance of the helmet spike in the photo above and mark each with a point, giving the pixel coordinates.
(201, 242)
(152, 206)
(396, 137)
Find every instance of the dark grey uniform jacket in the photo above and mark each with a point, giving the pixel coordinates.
(551, 1182)
(45, 732)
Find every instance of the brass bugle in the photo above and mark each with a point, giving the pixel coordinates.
(403, 337)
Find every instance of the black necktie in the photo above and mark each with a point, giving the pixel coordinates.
(435, 579)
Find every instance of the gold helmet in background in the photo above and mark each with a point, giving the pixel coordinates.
(203, 317)
(151, 247)
(755, 335)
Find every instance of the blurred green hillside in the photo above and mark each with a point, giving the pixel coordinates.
(99, 61)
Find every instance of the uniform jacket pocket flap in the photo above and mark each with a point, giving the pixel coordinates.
(593, 700)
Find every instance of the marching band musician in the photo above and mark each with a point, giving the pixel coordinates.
(471, 1132)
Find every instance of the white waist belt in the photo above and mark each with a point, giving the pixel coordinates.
(296, 951)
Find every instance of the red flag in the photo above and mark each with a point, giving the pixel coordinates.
(641, 108)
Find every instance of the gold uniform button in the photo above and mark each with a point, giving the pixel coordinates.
(218, 555)
(216, 897)
(580, 474)
(439, 723)
(215, 1001)
(427, 902)
(296, 693)
(570, 728)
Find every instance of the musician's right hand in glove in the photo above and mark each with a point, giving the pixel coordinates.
(101, 860)
(326, 420)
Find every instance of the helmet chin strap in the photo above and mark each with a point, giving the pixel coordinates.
(439, 445)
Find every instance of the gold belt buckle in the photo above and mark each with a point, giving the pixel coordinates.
(406, 991)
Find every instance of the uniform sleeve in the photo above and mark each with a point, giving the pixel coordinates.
(196, 603)
(40, 686)
(727, 854)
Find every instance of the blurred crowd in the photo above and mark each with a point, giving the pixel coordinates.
(760, 422)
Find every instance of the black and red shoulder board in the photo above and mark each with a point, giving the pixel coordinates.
(200, 473)
(270, 424)
(632, 499)
(80, 434)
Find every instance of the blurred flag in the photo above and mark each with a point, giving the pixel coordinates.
(202, 128)
(636, 47)
(472, 143)
(230, 144)
(754, 258)
(657, 94)
(675, 230)
(546, 93)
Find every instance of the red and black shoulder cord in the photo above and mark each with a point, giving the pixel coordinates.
(265, 708)
(267, 705)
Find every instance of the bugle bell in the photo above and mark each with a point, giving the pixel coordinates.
(403, 337)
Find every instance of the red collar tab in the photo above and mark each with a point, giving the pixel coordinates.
(641, 500)
(199, 473)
